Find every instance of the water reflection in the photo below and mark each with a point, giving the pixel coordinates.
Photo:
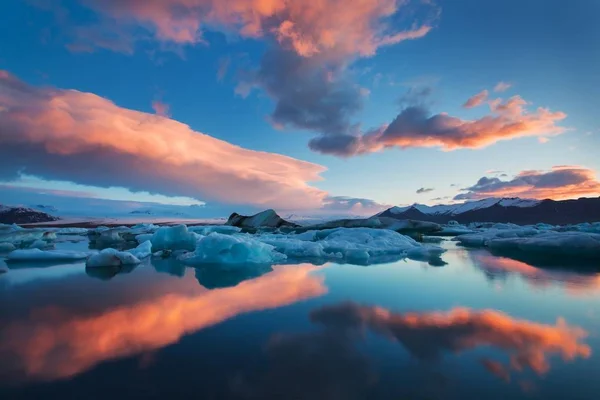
(427, 336)
(212, 277)
(59, 342)
(575, 281)
(108, 272)
(331, 363)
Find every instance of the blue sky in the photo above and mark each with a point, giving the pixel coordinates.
(547, 50)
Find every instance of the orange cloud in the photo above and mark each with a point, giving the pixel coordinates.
(477, 100)
(575, 284)
(56, 343)
(308, 27)
(562, 182)
(415, 127)
(427, 335)
(80, 137)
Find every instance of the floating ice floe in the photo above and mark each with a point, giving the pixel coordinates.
(551, 244)
(174, 238)
(363, 245)
(72, 231)
(46, 255)
(39, 244)
(6, 247)
(406, 226)
(116, 258)
(206, 230)
(481, 239)
(21, 235)
(233, 252)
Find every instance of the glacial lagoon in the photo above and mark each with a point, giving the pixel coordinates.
(477, 326)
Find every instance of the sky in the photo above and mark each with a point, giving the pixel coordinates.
(321, 107)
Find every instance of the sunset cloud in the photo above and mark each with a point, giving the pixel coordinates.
(428, 335)
(562, 182)
(477, 100)
(310, 45)
(415, 126)
(83, 138)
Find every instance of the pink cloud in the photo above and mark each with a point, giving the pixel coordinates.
(416, 127)
(562, 182)
(502, 87)
(308, 27)
(161, 108)
(83, 138)
(477, 100)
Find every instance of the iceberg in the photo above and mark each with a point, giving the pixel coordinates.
(552, 244)
(233, 252)
(112, 258)
(206, 230)
(174, 238)
(265, 219)
(115, 258)
(143, 250)
(20, 235)
(144, 237)
(406, 226)
(481, 239)
(72, 231)
(362, 245)
(6, 247)
(46, 255)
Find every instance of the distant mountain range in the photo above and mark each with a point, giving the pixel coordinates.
(515, 210)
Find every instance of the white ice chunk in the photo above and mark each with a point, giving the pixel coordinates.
(572, 244)
(47, 255)
(143, 250)
(112, 258)
(233, 251)
(174, 238)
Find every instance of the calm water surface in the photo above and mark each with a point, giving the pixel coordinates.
(479, 327)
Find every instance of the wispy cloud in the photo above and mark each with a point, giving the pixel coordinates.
(477, 100)
(502, 87)
(425, 190)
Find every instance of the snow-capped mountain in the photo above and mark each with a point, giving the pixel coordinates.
(515, 210)
(455, 209)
